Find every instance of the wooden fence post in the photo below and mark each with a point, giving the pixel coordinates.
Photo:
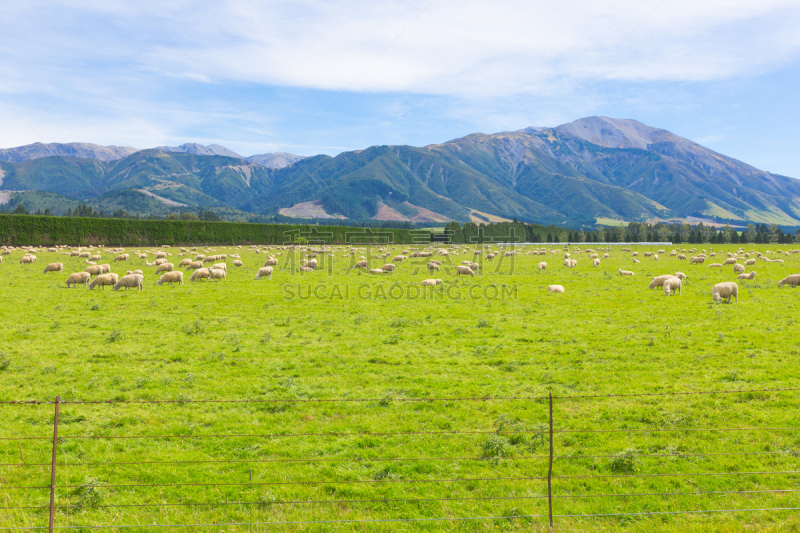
(550, 468)
(53, 467)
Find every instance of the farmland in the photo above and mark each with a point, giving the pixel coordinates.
(378, 341)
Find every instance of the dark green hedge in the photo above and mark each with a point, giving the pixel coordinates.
(17, 230)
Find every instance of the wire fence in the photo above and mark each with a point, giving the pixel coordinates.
(80, 464)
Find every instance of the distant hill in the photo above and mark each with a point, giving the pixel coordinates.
(592, 168)
(82, 150)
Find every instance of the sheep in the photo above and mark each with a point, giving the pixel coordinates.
(27, 260)
(159, 262)
(128, 281)
(658, 281)
(123, 257)
(312, 264)
(200, 257)
(137, 271)
(624, 272)
(681, 275)
(161, 255)
(83, 255)
(185, 262)
(727, 290)
(750, 262)
(264, 272)
(567, 263)
(103, 280)
(389, 267)
(573, 263)
(655, 257)
(542, 266)
(681, 257)
(793, 280)
(738, 269)
(200, 273)
(373, 271)
(431, 282)
(555, 288)
(464, 271)
(54, 267)
(87, 262)
(730, 261)
(432, 266)
(165, 267)
(596, 262)
(237, 263)
(715, 265)
(365, 264)
(94, 270)
(751, 275)
(220, 266)
(142, 256)
(95, 258)
(194, 265)
(473, 266)
(78, 278)
(217, 274)
(671, 285)
(697, 260)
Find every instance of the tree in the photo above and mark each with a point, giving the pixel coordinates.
(189, 216)
(20, 210)
(549, 237)
(172, 216)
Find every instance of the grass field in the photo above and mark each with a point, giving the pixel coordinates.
(342, 334)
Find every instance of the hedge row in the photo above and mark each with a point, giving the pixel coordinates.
(18, 230)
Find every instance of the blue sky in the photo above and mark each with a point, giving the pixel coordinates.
(314, 77)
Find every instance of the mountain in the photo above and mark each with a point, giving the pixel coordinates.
(275, 160)
(199, 149)
(576, 173)
(82, 150)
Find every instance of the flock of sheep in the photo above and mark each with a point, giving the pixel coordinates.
(100, 275)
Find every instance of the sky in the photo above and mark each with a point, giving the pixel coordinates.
(310, 77)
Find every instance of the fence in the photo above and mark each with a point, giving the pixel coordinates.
(553, 461)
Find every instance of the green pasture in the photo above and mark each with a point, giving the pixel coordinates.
(340, 333)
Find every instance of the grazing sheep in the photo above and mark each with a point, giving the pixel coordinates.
(431, 282)
(165, 267)
(715, 265)
(596, 262)
(123, 257)
(573, 263)
(432, 266)
(159, 262)
(128, 281)
(750, 262)
(137, 271)
(542, 266)
(161, 255)
(94, 270)
(671, 285)
(27, 260)
(655, 257)
(54, 267)
(185, 262)
(194, 265)
(78, 278)
(681, 275)
(95, 258)
(372, 271)
(264, 272)
(697, 260)
(738, 269)
(555, 288)
(658, 281)
(751, 275)
(200, 273)
(724, 290)
(464, 271)
(389, 267)
(220, 266)
(681, 257)
(362, 264)
(730, 261)
(309, 269)
(624, 272)
(237, 263)
(567, 263)
(200, 257)
(103, 280)
(217, 274)
(793, 280)
(312, 264)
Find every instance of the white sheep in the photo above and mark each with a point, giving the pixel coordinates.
(431, 282)
(194, 265)
(217, 274)
(738, 269)
(94, 270)
(751, 275)
(237, 263)
(624, 272)
(658, 281)
(103, 280)
(671, 285)
(165, 267)
(130, 281)
(200, 273)
(78, 278)
(596, 262)
(724, 290)
(793, 280)
(464, 271)
(264, 272)
(54, 267)
(555, 288)
(681, 275)
(220, 266)
(389, 267)
(542, 266)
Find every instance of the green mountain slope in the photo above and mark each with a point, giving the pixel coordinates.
(575, 173)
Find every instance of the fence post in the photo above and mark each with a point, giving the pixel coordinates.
(53, 466)
(550, 468)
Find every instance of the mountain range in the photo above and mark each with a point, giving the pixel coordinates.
(593, 170)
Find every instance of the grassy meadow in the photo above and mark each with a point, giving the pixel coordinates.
(340, 333)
